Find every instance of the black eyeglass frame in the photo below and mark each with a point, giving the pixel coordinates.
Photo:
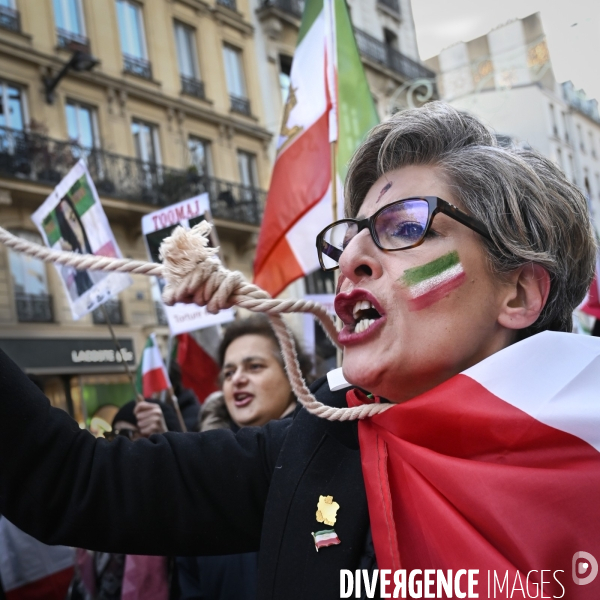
(436, 205)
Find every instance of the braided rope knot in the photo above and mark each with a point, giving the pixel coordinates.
(195, 274)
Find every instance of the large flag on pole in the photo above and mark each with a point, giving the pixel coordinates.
(329, 101)
(152, 376)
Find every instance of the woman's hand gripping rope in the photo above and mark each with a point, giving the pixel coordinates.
(195, 274)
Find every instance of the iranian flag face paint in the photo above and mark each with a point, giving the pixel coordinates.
(432, 281)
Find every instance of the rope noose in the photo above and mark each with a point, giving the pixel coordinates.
(194, 273)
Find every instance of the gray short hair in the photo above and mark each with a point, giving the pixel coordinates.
(534, 214)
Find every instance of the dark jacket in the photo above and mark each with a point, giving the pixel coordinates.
(194, 494)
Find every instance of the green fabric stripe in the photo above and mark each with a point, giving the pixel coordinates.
(139, 386)
(324, 532)
(357, 113)
(431, 269)
(312, 9)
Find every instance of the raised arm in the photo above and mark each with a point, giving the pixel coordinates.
(173, 494)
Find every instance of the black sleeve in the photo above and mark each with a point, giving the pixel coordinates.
(173, 494)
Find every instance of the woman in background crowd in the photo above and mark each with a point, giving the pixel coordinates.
(255, 390)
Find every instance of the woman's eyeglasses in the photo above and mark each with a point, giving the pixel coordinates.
(128, 433)
(397, 226)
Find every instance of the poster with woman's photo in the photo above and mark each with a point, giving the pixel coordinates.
(72, 219)
(156, 226)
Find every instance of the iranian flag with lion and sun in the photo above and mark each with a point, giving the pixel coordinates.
(329, 101)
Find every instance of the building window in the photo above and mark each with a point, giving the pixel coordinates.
(30, 283)
(580, 138)
(554, 128)
(559, 159)
(566, 126)
(81, 125)
(391, 39)
(571, 173)
(145, 139)
(147, 151)
(248, 171)
(236, 83)
(285, 71)
(70, 28)
(9, 16)
(591, 144)
(187, 58)
(199, 155)
(11, 108)
(133, 42)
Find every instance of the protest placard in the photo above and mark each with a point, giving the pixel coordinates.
(72, 219)
(158, 225)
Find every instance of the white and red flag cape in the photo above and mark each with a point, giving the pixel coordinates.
(30, 570)
(152, 376)
(497, 469)
(329, 101)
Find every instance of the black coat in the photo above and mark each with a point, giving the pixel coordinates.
(194, 494)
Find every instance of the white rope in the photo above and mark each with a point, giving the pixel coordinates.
(194, 273)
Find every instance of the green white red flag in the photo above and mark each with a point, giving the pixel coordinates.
(152, 376)
(496, 469)
(329, 100)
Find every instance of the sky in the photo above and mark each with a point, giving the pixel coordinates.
(572, 30)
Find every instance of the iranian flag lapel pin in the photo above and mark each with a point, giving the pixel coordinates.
(326, 514)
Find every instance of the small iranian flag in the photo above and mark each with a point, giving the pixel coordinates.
(152, 376)
(432, 281)
(327, 537)
(328, 101)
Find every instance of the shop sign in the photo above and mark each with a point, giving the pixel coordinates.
(65, 355)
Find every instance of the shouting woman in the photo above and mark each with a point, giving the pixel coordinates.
(460, 265)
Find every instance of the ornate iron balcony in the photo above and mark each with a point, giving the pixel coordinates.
(34, 157)
(231, 4)
(113, 310)
(34, 308)
(10, 18)
(192, 87)
(379, 52)
(68, 39)
(293, 7)
(391, 4)
(137, 66)
(240, 105)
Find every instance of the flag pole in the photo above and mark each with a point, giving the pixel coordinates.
(138, 397)
(172, 399)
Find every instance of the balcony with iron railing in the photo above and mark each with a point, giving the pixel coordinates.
(69, 39)
(393, 5)
(10, 18)
(38, 158)
(111, 309)
(292, 7)
(230, 4)
(34, 308)
(192, 87)
(380, 52)
(137, 66)
(239, 105)
(370, 47)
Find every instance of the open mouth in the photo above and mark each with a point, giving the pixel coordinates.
(364, 315)
(361, 313)
(241, 399)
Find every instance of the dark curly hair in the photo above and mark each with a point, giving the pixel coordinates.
(259, 325)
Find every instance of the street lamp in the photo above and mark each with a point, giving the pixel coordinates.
(80, 61)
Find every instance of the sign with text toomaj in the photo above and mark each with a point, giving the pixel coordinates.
(158, 225)
(72, 219)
